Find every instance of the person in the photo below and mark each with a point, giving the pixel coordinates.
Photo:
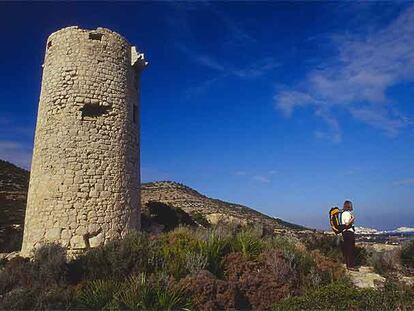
(348, 235)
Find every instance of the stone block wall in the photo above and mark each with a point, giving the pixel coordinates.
(84, 184)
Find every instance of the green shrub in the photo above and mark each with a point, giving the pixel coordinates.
(136, 253)
(214, 249)
(176, 248)
(407, 254)
(201, 219)
(49, 265)
(98, 294)
(36, 298)
(137, 293)
(328, 245)
(247, 243)
(172, 299)
(195, 262)
(140, 293)
(342, 295)
(169, 216)
(324, 270)
(284, 243)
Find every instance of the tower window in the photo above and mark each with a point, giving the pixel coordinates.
(134, 113)
(93, 110)
(95, 36)
(49, 44)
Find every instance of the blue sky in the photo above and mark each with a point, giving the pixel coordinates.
(289, 108)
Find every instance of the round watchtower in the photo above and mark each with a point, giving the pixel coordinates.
(85, 175)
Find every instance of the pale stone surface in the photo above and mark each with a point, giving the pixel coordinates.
(53, 234)
(408, 280)
(366, 278)
(215, 218)
(85, 170)
(97, 240)
(77, 241)
(9, 256)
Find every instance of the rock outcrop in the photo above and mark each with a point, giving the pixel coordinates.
(365, 277)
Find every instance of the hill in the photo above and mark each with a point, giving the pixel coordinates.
(213, 210)
(13, 178)
(14, 182)
(162, 202)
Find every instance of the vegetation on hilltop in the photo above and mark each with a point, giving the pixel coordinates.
(200, 269)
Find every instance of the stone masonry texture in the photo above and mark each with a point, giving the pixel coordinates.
(85, 178)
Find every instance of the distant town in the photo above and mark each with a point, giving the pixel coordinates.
(393, 237)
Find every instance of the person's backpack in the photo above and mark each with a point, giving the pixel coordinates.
(335, 219)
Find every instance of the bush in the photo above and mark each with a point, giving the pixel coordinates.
(195, 262)
(97, 295)
(178, 248)
(37, 298)
(16, 273)
(210, 293)
(49, 265)
(201, 219)
(48, 269)
(137, 293)
(342, 295)
(168, 216)
(261, 282)
(407, 254)
(136, 253)
(384, 262)
(325, 270)
(214, 249)
(328, 245)
(248, 244)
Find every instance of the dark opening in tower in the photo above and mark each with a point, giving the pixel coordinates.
(95, 36)
(134, 113)
(93, 110)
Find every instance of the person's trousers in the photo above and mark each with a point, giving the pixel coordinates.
(348, 248)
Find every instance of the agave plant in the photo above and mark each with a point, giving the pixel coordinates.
(98, 294)
(136, 294)
(248, 244)
(195, 262)
(172, 299)
(214, 248)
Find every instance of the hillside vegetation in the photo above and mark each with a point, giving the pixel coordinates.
(14, 182)
(187, 269)
(13, 178)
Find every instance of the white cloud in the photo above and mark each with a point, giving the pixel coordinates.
(357, 78)
(262, 179)
(16, 153)
(240, 173)
(404, 182)
(224, 69)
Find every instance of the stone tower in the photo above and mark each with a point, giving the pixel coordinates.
(84, 183)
